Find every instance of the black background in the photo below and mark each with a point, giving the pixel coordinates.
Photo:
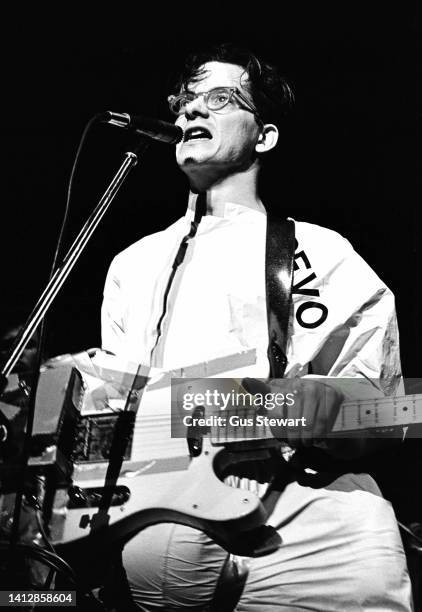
(349, 157)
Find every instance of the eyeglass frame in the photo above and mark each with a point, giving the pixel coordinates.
(233, 92)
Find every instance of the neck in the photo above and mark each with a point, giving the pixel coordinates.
(238, 188)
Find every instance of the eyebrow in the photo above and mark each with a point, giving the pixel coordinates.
(210, 89)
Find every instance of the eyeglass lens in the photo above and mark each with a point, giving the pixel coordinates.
(215, 99)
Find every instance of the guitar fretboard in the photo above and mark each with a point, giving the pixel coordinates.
(381, 415)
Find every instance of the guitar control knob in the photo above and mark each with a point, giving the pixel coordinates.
(78, 497)
(85, 521)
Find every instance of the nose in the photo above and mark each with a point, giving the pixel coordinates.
(196, 108)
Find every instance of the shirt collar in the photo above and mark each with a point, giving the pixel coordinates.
(232, 211)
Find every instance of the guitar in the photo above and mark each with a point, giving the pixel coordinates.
(162, 483)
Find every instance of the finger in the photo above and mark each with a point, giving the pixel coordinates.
(336, 399)
(255, 386)
(328, 408)
(294, 434)
(309, 399)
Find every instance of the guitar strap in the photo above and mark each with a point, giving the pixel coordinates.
(279, 260)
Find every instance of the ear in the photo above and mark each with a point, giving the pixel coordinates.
(267, 139)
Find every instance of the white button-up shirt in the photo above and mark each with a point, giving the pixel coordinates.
(343, 320)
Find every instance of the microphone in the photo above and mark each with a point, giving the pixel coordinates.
(154, 128)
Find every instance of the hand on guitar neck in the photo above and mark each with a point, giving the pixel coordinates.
(308, 419)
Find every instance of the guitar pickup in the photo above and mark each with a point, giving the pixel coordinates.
(91, 496)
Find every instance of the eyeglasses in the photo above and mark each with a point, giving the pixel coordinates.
(215, 99)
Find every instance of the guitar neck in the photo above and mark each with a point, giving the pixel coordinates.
(381, 414)
(384, 412)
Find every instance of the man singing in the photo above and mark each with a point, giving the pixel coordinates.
(196, 291)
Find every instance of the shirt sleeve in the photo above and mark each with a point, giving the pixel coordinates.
(112, 326)
(360, 337)
(366, 347)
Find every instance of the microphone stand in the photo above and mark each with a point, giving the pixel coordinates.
(63, 271)
(45, 301)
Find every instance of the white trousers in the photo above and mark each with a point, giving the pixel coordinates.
(341, 552)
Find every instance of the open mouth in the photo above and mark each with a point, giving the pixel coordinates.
(196, 133)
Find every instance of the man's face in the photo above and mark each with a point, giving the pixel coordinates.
(232, 131)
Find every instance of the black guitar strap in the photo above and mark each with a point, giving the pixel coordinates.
(279, 259)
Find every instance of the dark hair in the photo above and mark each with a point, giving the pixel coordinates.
(270, 93)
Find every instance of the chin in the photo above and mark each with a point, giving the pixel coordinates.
(194, 155)
(192, 163)
(188, 161)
